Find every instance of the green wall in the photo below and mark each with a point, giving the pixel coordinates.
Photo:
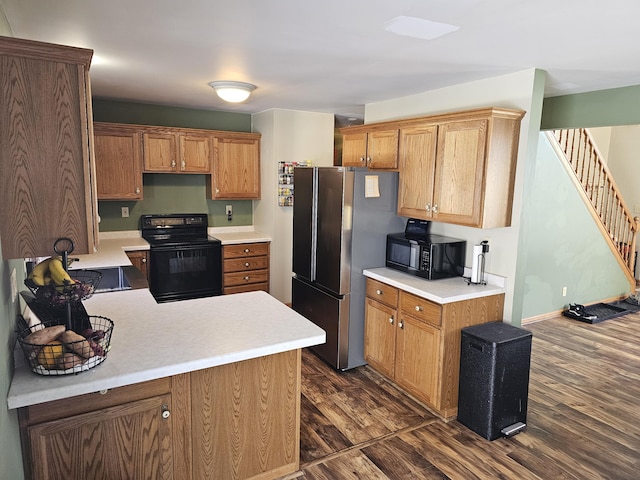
(603, 108)
(171, 193)
(565, 247)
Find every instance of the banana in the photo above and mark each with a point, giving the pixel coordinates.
(37, 275)
(58, 274)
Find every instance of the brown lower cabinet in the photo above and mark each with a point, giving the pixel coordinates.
(236, 421)
(140, 260)
(416, 342)
(246, 267)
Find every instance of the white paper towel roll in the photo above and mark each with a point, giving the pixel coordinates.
(476, 266)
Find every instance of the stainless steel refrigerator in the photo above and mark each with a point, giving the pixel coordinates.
(337, 233)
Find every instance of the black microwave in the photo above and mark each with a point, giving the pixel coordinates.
(430, 256)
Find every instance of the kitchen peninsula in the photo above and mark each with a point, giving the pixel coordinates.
(203, 388)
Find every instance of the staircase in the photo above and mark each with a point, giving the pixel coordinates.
(600, 191)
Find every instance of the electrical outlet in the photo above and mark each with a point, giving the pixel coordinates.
(229, 210)
(125, 212)
(564, 291)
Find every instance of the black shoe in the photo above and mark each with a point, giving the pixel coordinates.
(578, 311)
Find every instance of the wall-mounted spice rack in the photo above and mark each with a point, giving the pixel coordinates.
(285, 181)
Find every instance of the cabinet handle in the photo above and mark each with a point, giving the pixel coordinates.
(428, 207)
(435, 208)
(391, 319)
(418, 308)
(173, 164)
(144, 260)
(378, 292)
(401, 324)
(246, 264)
(247, 278)
(183, 165)
(246, 250)
(165, 411)
(362, 160)
(368, 160)
(137, 189)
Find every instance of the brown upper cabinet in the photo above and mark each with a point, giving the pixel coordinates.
(118, 161)
(176, 151)
(47, 167)
(374, 148)
(236, 168)
(458, 168)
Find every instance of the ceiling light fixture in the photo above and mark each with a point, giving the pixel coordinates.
(232, 92)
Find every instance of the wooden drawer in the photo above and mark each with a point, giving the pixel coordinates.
(244, 264)
(247, 288)
(246, 278)
(245, 250)
(382, 292)
(420, 308)
(67, 407)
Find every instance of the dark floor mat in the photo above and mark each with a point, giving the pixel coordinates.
(603, 311)
(626, 305)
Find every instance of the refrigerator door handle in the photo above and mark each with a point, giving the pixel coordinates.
(314, 224)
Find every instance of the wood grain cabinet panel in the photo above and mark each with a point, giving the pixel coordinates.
(245, 267)
(118, 151)
(375, 149)
(453, 168)
(140, 260)
(173, 150)
(236, 166)
(416, 342)
(236, 421)
(47, 172)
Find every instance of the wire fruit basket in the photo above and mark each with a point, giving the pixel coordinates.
(51, 349)
(86, 282)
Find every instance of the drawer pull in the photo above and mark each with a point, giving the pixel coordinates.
(247, 278)
(378, 292)
(246, 264)
(104, 392)
(418, 308)
(246, 250)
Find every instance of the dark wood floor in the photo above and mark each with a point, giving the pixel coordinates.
(583, 417)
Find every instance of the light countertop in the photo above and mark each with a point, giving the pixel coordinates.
(446, 290)
(152, 340)
(114, 245)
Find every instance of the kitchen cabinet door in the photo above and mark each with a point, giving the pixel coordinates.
(417, 354)
(132, 440)
(140, 260)
(118, 151)
(47, 170)
(371, 149)
(460, 172)
(417, 167)
(354, 149)
(195, 153)
(380, 337)
(236, 167)
(160, 152)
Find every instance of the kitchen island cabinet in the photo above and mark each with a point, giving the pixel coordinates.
(224, 371)
(140, 260)
(47, 172)
(415, 341)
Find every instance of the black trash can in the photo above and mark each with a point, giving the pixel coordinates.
(494, 379)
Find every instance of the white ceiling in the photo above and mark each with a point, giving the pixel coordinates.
(332, 55)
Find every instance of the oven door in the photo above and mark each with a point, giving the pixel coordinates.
(185, 271)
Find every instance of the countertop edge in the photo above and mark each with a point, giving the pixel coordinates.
(433, 289)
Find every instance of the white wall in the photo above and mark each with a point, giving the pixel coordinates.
(521, 90)
(287, 136)
(602, 138)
